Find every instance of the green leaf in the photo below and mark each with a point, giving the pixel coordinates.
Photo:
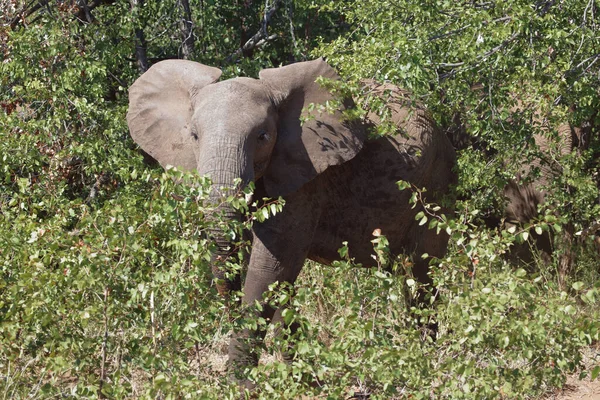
(402, 185)
(595, 372)
(303, 348)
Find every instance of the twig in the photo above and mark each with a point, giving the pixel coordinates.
(104, 340)
(485, 55)
(589, 230)
(261, 37)
(443, 35)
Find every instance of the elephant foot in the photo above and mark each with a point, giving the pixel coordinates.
(242, 358)
(247, 389)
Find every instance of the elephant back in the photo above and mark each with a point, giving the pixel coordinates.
(427, 153)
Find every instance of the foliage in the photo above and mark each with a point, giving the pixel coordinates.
(472, 60)
(496, 340)
(105, 284)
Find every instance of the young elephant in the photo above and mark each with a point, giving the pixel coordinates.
(338, 186)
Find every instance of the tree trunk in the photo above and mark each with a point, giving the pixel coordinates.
(140, 39)
(187, 29)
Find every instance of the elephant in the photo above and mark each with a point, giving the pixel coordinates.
(524, 198)
(338, 185)
(522, 195)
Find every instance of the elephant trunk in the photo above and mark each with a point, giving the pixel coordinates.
(224, 166)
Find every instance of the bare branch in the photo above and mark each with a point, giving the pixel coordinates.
(461, 29)
(187, 29)
(488, 53)
(261, 37)
(140, 39)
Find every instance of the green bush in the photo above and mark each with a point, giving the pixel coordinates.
(105, 284)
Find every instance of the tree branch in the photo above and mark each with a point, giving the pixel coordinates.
(83, 11)
(187, 29)
(261, 37)
(26, 12)
(482, 57)
(592, 229)
(140, 39)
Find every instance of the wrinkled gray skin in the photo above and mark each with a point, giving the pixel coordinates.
(337, 185)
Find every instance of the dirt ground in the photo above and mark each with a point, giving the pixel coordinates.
(578, 390)
(584, 389)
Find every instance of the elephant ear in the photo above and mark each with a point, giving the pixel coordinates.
(303, 151)
(161, 108)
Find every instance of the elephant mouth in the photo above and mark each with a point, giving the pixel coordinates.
(259, 169)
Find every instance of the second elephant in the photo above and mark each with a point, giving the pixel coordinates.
(523, 195)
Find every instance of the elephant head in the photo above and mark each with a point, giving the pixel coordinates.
(244, 128)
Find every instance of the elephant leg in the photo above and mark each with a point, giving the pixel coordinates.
(286, 332)
(435, 245)
(243, 348)
(278, 253)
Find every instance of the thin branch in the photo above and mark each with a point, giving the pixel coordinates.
(187, 29)
(461, 29)
(592, 229)
(261, 37)
(592, 60)
(485, 55)
(140, 39)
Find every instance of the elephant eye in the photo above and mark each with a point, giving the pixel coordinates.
(194, 134)
(263, 136)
